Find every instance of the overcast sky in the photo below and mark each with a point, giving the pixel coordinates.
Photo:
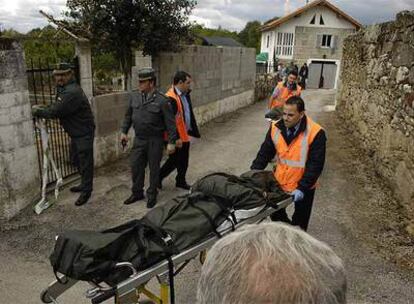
(23, 15)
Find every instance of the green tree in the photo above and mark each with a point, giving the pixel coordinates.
(43, 45)
(48, 44)
(199, 31)
(118, 26)
(250, 36)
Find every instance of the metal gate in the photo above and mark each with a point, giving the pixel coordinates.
(42, 90)
(322, 75)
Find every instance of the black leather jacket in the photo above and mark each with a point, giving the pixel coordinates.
(73, 110)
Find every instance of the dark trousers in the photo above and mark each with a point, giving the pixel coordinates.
(178, 160)
(82, 159)
(146, 151)
(303, 83)
(302, 212)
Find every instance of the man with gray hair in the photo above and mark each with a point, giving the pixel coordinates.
(271, 263)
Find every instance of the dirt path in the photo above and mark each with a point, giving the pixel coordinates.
(353, 213)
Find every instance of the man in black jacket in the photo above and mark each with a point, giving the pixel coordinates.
(186, 124)
(303, 74)
(151, 115)
(74, 112)
(299, 145)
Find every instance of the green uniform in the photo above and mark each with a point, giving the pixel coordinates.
(150, 116)
(73, 110)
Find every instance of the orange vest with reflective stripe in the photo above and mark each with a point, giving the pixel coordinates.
(179, 116)
(284, 94)
(291, 159)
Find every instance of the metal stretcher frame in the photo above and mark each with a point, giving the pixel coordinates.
(136, 283)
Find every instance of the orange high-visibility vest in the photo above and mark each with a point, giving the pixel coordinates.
(179, 116)
(291, 159)
(284, 94)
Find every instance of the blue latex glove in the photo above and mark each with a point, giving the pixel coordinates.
(297, 195)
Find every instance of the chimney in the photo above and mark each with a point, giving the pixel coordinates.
(287, 7)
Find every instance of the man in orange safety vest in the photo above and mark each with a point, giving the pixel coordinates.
(299, 145)
(284, 90)
(179, 94)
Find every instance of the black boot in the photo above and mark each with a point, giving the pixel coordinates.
(152, 201)
(134, 198)
(83, 198)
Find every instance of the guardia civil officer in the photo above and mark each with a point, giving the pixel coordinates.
(150, 113)
(74, 112)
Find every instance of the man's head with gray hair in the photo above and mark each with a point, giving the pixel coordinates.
(271, 263)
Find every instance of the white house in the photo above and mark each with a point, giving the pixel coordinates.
(313, 34)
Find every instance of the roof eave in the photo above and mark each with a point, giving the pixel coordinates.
(299, 11)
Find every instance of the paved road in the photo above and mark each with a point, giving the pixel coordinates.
(346, 213)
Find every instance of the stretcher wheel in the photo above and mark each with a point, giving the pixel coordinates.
(44, 297)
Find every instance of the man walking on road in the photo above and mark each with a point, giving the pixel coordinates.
(299, 145)
(186, 127)
(303, 74)
(284, 90)
(151, 115)
(74, 112)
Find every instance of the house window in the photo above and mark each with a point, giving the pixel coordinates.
(284, 44)
(326, 41)
(267, 43)
(313, 19)
(321, 21)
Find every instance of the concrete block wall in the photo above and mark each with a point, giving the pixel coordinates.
(109, 111)
(218, 72)
(376, 100)
(305, 43)
(19, 172)
(224, 77)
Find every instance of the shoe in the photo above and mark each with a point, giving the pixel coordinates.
(76, 189)
(152, 201)
(83, 199)
(184, 186)
(134, 198)
(159, 186)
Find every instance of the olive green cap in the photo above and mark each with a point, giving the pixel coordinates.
(146, 74)
(62, 68)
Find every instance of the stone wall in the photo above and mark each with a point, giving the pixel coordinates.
(264, 86)
(19, 175)
(83, 52)
(224, 81)
(376, 100)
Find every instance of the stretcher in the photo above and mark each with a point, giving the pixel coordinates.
(44, 202)
(130, 290)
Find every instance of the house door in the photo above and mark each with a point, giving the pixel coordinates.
(322, 75)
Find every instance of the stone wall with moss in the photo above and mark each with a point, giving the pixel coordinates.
(376, 99)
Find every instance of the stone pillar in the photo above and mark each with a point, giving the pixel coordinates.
(141, 62)
(83, 52)
(19, 171)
